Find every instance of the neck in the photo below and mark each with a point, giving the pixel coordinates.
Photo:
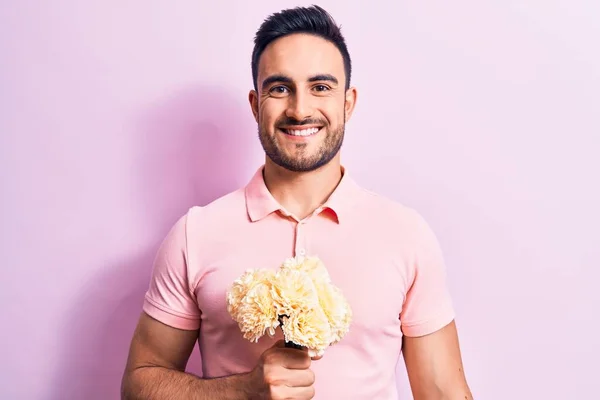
(301, 193)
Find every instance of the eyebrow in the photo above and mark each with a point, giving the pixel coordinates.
(278, 78)
(275, 79)
(323, 77)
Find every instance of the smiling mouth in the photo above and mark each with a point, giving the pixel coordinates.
(301, 132)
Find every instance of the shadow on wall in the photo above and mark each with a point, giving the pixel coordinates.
(193, 148)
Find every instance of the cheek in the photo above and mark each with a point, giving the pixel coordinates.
(269, 112)
(333, 118)
(333, 110)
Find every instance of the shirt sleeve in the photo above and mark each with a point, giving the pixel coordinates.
(428, 305)
(170, 297)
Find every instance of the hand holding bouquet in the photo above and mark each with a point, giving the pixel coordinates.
(299, 297)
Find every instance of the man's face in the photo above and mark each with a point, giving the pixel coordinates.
(301, 104)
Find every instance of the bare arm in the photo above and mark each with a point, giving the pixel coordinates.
(156, 364)
(434, 366)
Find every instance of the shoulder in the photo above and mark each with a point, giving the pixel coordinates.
(200, 222)
(195, 233)
(390, 212)
(398, 226)
(230, 206)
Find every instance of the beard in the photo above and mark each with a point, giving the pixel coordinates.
(302, 161)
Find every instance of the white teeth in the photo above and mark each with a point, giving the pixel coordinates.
(303, 132)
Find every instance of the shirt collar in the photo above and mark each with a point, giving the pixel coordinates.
(260, 202)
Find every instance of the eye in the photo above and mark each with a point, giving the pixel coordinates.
(321, 88)
(278, 90)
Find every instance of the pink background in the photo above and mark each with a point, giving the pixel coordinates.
(117, 116)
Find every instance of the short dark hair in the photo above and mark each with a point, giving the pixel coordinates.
(312, 20)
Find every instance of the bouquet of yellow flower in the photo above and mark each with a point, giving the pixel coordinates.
(299, 297)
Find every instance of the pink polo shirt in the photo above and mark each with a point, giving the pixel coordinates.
(382, 255)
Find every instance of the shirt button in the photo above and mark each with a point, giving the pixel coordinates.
(302, 252)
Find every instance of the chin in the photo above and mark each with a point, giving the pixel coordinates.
(295, 164)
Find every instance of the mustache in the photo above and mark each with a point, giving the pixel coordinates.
(292, 121)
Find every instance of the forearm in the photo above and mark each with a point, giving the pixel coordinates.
(441, 396)
(432, 391)
(437, 393)
(460, 394)
(159, 383)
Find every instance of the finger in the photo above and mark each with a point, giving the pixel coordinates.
(315, 358)
(306, 392)
(293, 359)
(301, 378)
(287, 358)
(286, 392)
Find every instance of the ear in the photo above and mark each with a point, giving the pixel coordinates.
(253, 98)
(351, 95)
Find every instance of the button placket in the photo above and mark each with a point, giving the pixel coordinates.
(300, 247)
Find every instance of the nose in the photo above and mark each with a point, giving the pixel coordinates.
(299, 106)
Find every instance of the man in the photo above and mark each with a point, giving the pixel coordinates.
(301, 202)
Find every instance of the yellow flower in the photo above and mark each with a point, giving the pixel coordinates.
(313, 266)
(240, 288)
(337, 310)
(256, 313)
(293, 292)
(299, 297)
(309, 328)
